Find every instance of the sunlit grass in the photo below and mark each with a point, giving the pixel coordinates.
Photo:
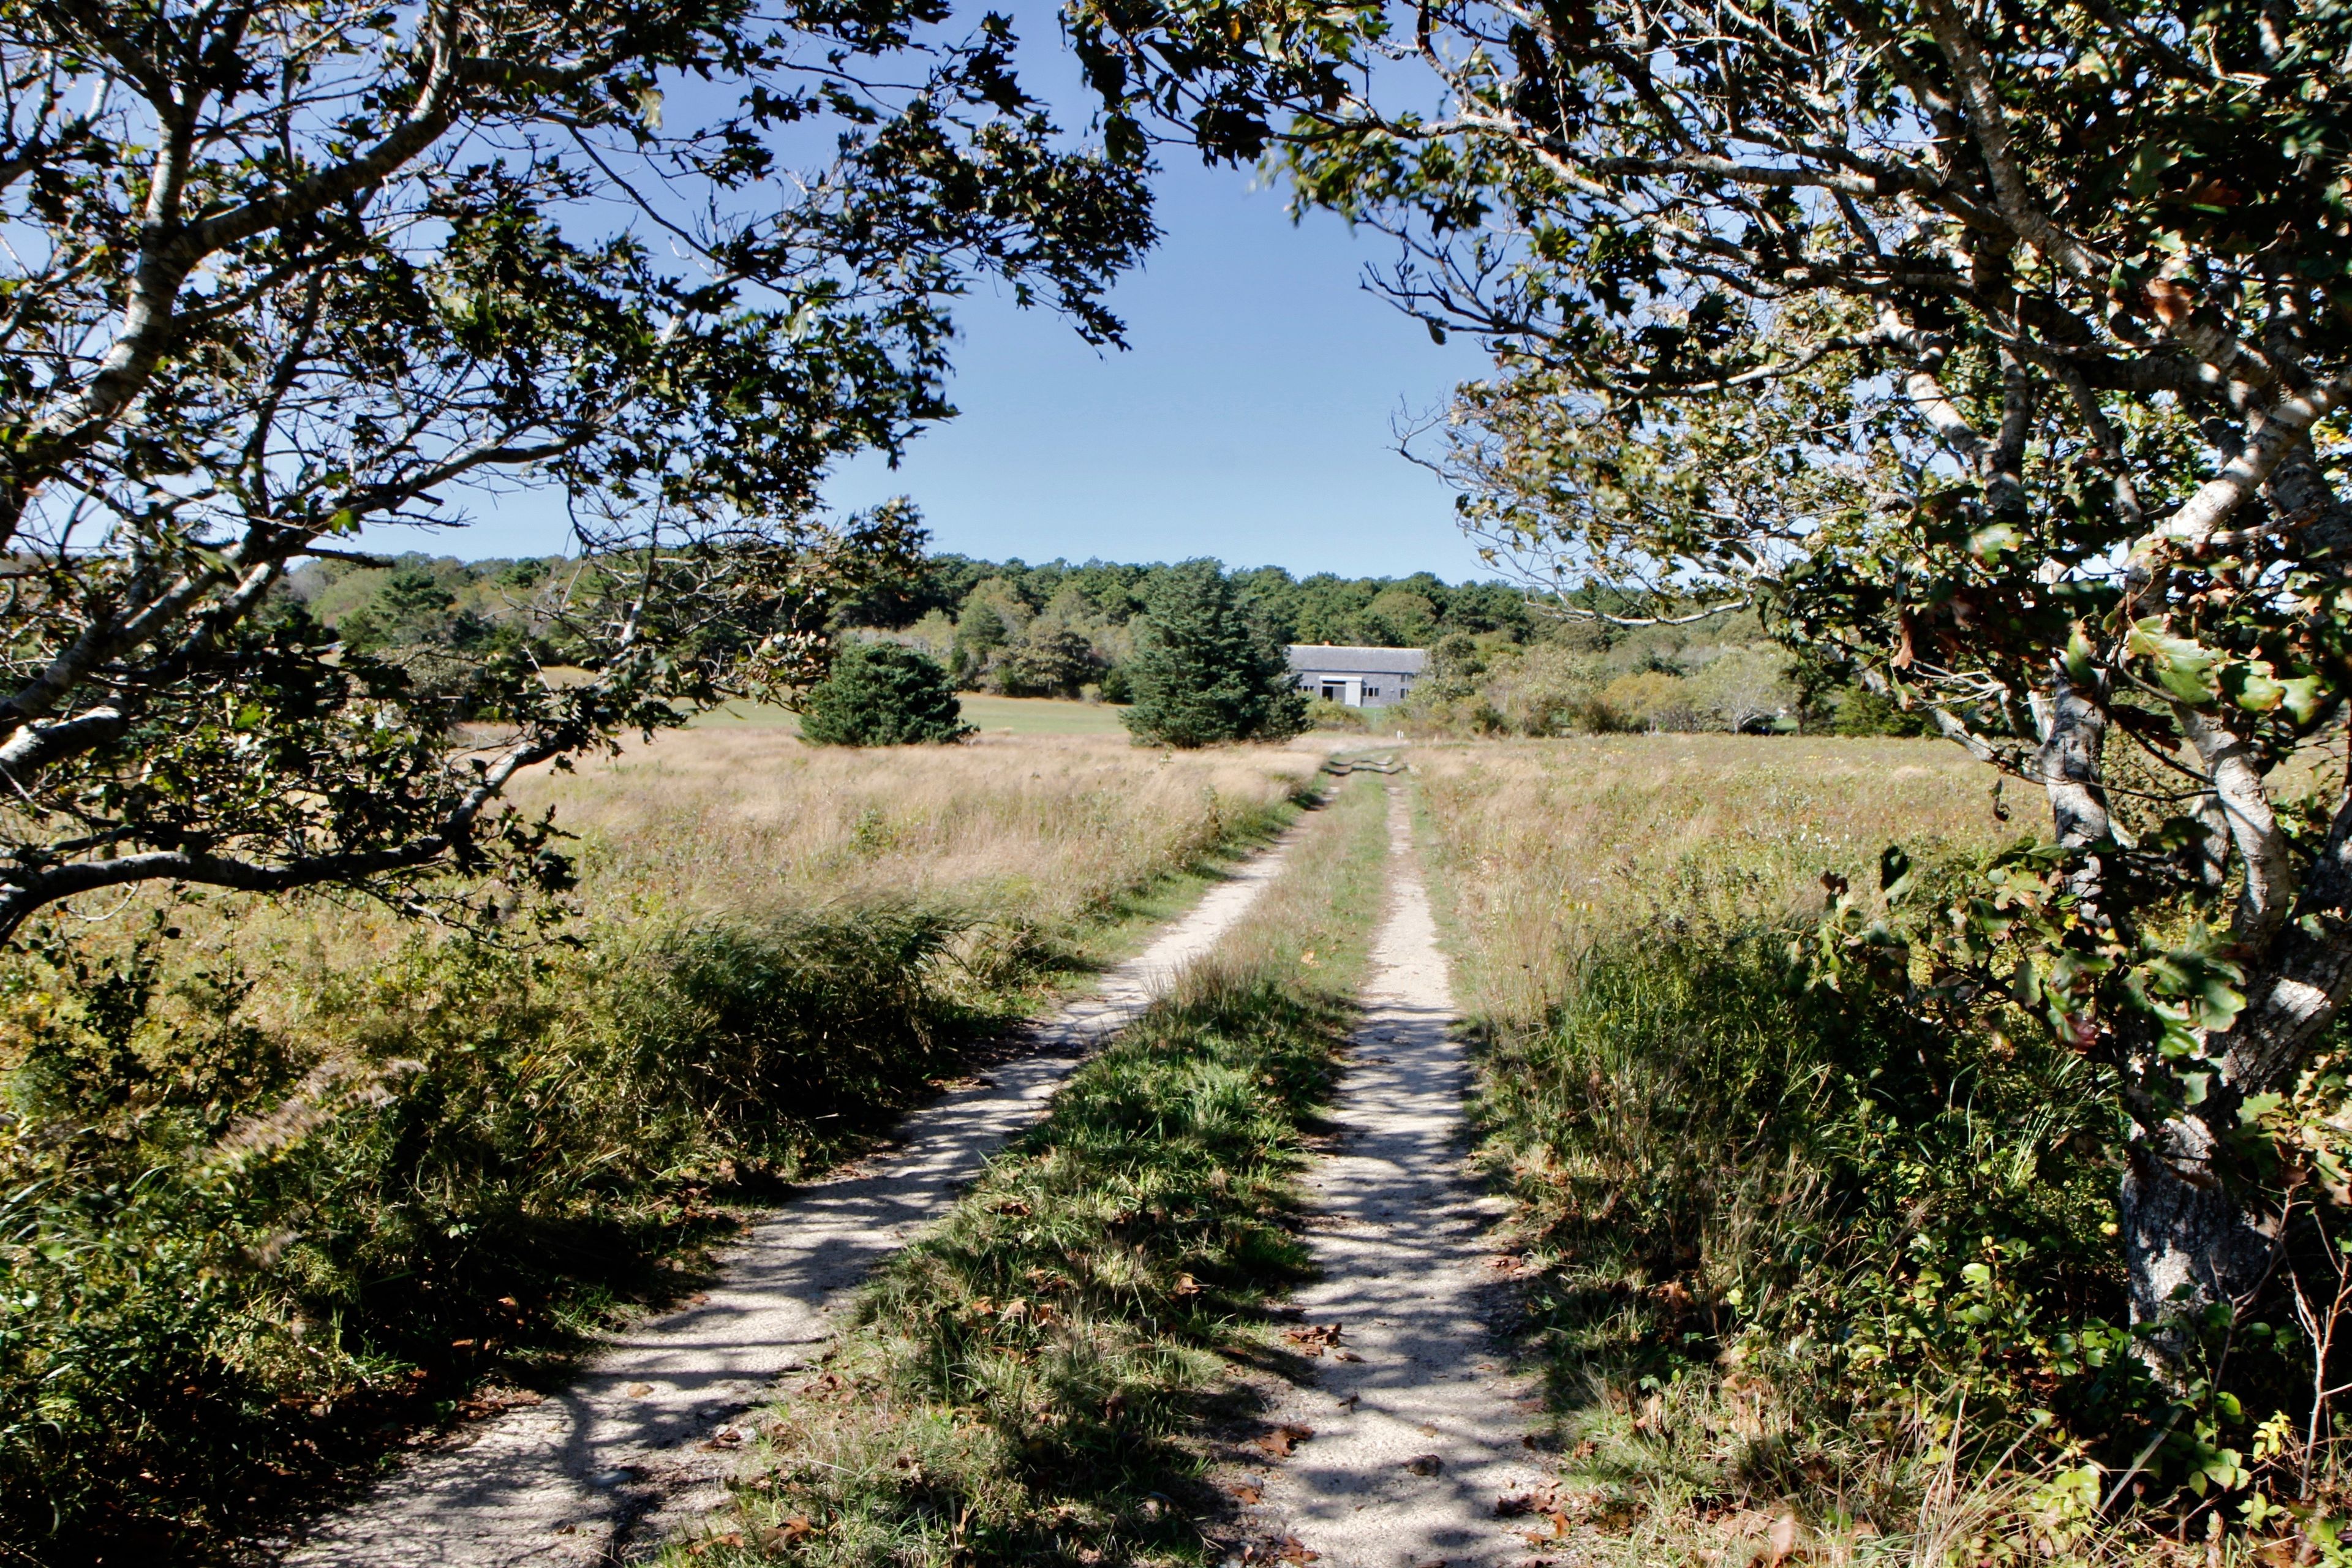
(1549, 847)
(993, 716)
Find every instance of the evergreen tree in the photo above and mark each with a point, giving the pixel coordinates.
(883, 694)
(1207, 668)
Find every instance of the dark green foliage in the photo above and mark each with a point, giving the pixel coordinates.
(1724, 1169)
(1049, 661)
(1856, 710)
(208, 1229)
(1380, 612)
(1207, 667)
(883, 694)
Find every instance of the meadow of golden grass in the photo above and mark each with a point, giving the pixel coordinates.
(1054, 826)
(745, 819)
(1548, 845)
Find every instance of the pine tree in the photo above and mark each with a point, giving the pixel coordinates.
(1207, 668)
(883, 694)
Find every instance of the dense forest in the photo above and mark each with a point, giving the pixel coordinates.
(1504, 660)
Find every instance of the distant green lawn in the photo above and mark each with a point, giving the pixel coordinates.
(995, 715)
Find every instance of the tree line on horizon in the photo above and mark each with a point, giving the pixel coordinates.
(1504, 659)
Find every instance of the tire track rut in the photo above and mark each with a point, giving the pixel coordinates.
(1416, 1424)
(638, 1445)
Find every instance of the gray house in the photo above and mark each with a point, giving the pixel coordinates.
(1358, 677)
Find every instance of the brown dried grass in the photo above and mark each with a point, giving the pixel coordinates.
(1056, 825)
(1552, 846)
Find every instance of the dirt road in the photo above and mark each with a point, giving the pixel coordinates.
(1414, 1443)
(641, 1443)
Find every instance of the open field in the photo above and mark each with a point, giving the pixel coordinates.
(277, 1189)
(1551, 847)
(1049, 826)
(995, 716)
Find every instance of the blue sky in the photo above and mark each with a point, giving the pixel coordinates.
(1249, 419)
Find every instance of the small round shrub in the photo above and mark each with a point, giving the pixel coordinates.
(883, 694)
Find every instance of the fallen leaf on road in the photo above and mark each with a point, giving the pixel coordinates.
(1345, 1355)
(1247, 1495)
(792, 1531)
(1293, 1549)
(1315, 1339)
(639, 1390)
(1278, 1444)
(1424, 1464)
(1786, 1539)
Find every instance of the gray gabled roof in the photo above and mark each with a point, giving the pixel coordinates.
(1323, 659)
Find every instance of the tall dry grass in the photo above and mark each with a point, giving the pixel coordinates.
(1047, 833)
(1552, 846)
(742, 818)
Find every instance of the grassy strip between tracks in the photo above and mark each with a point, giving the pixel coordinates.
(1018, 1387)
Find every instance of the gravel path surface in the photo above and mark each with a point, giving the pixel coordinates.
(1415, 1427)
(641, 1443)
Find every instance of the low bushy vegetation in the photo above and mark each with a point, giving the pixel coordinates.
(228, 1245)
(1830, 1256)
(1588, 679)
(1021, 1384)
(278, 1183)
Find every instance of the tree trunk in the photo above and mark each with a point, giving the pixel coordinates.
(2191, 1240)
(2198, 1231)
